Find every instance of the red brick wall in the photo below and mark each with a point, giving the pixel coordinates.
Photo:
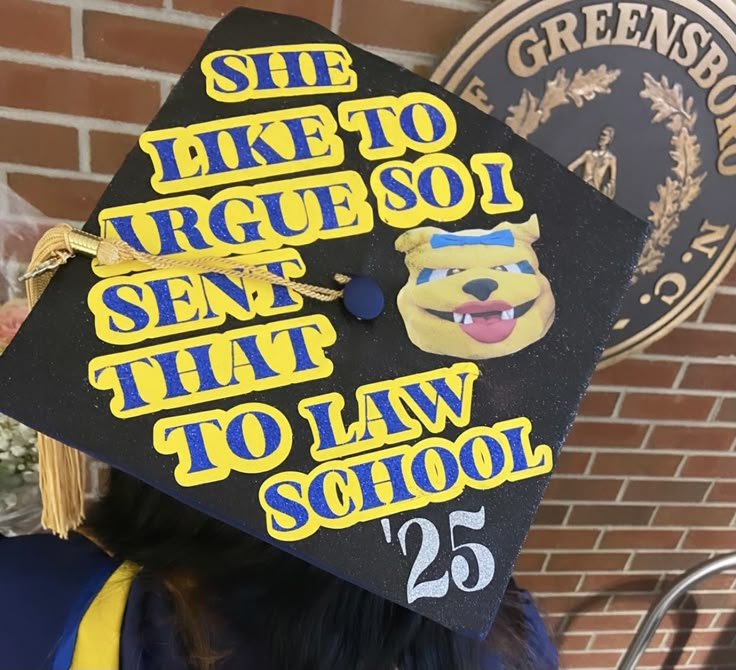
(646, 486)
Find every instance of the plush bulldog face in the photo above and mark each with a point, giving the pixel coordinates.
(475, 294)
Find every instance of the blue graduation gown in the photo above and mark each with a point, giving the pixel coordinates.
(50, 589)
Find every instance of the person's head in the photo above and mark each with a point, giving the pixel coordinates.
(606, 137)
(301, 617)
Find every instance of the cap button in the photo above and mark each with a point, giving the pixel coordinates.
(363, 298)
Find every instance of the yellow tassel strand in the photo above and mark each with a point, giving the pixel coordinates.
(62, 468)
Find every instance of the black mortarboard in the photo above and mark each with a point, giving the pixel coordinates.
(400, 437)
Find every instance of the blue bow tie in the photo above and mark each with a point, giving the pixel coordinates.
(501, 238)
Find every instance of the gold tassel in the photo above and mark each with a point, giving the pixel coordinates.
(62, 469)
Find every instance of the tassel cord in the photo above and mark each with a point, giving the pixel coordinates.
(63, 469)
(62, 242)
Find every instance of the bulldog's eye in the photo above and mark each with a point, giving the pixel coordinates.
(429, 274)
(523, 267)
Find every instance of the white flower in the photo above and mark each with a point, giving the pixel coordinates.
(27, 434)
(18, 453)
(8, 500)
(30, 477)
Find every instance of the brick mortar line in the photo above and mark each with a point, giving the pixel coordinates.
(700, 312)
(726, 290)
(680, 375)
(622, 451)
(635, 503)
(399, 56)
(703, 309)
(678, 470)
(716, 409)
(673, 358)
(663, 390)
(76, 32)
(709, 491)
(631, 612)
(712, 627)
(619, 401)
(711, 327)
(70, 120)
(54, 172)
(683, 423)
(647, 437)
(626, 573)
(336, 16)
(85, 152)
(632, 477)
(688, 647)
(88, 65)
(628, 594)
(640, 666)
(460, 5)
(712, 529)
(576, 654)
(588, 470)
(583, 614)
(644, 529)
(614, 593)
(161, 14)
(165, 89)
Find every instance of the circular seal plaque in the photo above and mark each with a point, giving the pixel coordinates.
(639, 99)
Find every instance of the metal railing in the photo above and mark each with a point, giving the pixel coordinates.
(657, 611)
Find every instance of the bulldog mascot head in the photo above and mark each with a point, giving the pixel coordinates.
(475, 294)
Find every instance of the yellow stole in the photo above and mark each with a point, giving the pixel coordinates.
(98, 637)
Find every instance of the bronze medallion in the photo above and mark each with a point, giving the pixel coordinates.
(639, 100)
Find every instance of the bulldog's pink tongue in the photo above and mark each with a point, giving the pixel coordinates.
(486, 322)
(488, 329)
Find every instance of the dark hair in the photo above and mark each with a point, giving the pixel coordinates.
(302, 617)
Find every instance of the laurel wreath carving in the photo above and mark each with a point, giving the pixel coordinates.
(677, 194)
(531, 112)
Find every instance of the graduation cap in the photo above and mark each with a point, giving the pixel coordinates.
(333, 305)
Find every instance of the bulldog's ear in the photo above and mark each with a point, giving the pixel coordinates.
(414, 238)
(529, 230)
